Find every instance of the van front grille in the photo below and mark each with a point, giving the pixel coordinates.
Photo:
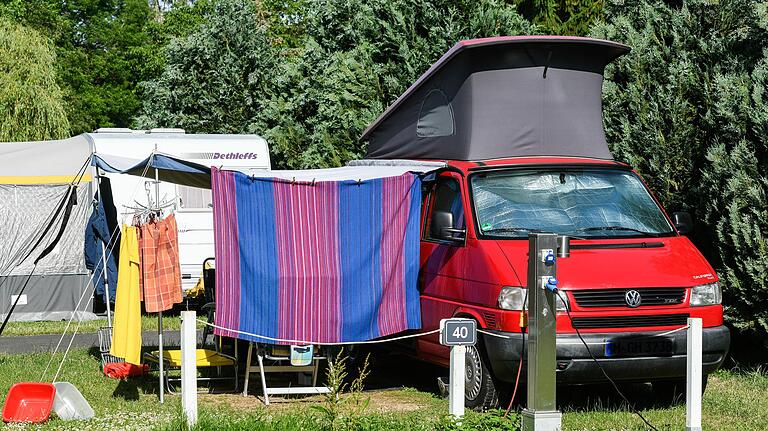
(617, 297)
(630, 321)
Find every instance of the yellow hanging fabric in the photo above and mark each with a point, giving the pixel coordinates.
(126, 325)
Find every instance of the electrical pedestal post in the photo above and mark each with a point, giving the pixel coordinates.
(541, 413)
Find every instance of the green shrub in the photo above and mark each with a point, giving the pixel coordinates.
(687, 109)
(237, 73)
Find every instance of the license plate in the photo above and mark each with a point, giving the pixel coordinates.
(628, 347)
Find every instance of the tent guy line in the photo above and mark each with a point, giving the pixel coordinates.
(110, 251)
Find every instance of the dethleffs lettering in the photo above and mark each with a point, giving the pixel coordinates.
(232, 156)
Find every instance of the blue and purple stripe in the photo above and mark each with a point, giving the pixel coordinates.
(333, 261)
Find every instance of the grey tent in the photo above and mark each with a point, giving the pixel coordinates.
(501, 97)
(35, 184)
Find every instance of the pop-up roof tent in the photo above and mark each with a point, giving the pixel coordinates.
(501, 97)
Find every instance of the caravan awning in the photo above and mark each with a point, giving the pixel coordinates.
(169, 169)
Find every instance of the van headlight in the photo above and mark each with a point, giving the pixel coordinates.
(561, 301)
(706, 294)
(511, 298)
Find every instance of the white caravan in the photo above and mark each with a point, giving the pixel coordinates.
(192, 205)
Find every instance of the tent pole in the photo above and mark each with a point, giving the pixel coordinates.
(159, 314)
(104, 269)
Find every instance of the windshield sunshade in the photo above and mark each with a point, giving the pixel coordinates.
(588, 203)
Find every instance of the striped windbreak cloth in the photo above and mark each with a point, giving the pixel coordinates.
(326, 261)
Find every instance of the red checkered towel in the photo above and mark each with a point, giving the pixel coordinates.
(161, 274)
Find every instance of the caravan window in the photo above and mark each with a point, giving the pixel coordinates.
(194, 197)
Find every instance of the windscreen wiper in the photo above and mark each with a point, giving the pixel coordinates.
(513, 229)
(613, 228)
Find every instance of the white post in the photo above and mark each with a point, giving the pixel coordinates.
(189, 366)
(694, 377)
(457, 371)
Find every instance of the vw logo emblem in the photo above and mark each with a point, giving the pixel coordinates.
(633, 298)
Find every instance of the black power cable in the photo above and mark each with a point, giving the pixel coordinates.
(523, 325)
(616, 387)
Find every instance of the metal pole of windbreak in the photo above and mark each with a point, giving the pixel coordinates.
(160, 313)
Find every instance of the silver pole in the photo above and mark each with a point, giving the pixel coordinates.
(160, 314)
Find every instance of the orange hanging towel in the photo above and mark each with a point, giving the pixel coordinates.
(161, 282)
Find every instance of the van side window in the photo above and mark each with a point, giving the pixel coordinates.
(448, 199)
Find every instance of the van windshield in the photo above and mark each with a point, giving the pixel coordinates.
(586, 203)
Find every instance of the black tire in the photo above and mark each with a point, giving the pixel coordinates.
(673, 391)
(481, 389)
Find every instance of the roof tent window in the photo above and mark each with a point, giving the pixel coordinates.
(435, 116)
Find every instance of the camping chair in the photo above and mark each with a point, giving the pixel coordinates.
(285, 359)
(205, 358)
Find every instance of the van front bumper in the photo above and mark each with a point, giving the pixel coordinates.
(575, 366)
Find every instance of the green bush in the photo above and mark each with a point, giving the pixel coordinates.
(237, 74)
(687, 108)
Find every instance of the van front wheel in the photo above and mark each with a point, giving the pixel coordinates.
(481, 390)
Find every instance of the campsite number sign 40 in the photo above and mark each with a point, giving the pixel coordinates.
(458, 332)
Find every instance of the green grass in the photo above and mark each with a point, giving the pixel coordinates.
(733, 401)
(119, 405)
(148, 323)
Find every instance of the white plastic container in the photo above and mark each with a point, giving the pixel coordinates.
(69, 404)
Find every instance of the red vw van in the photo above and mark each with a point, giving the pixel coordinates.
(518, 123)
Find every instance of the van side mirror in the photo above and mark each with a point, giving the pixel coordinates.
(442, 227)
(683, 222)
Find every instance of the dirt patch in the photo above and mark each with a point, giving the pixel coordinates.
(384, 401)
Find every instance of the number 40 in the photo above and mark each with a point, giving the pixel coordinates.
(461, 332)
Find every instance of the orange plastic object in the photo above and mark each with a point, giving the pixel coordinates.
(29, 402)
